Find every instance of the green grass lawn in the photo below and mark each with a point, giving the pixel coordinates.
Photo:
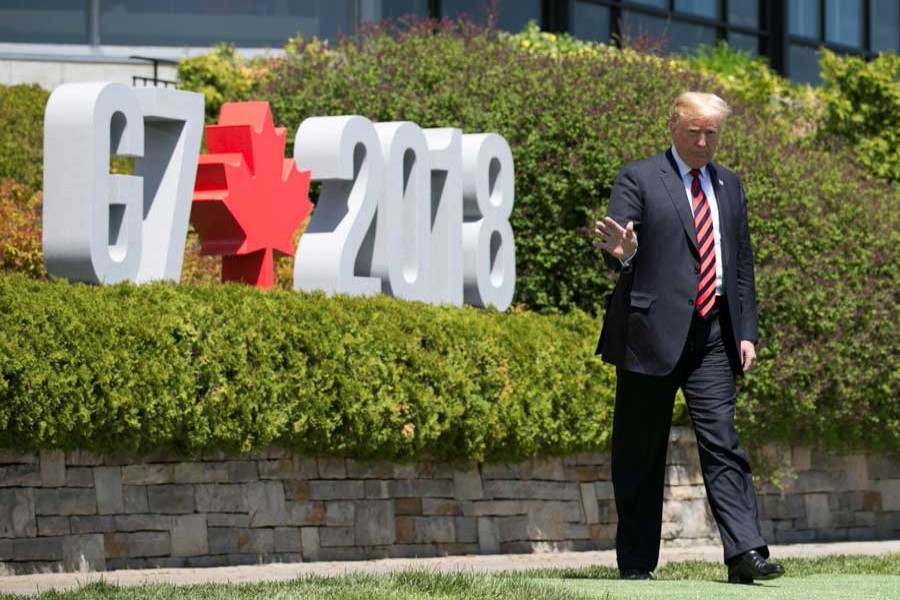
(868, 578)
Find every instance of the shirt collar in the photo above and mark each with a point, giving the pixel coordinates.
(684, 169)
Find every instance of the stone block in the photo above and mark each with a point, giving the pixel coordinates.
(887, 525)
(818, 513)
(692, 518)
(591, 458)
(860, 519)
(796, 536)
(589, 503)
(265, 500)
(374, 522)
(92, 524)
(527, 528)
(332, 468)
(21, 475)
(296, 490)
(189, 535)
(403, 470)
(860, 534)
(604, 490)
(336, 536)
(801, 458)
(412, 551)
(467, 485)
(10, 457)
(336, 490)
(584, 473)
(53, 468)
(871, 502)
(222, 540)
(108, 486)
(83, 458)
(288, 539)
(170, 499)
(466, 530)
(607, 509)
(603, 532)
(532, 490)
(421, 488)
(150, 522)
(17, 513)
(377, 489)
(544, 469)
(408, 507)
(890, 494)
(305, 513)
(440, 507)
(782, 507)
(228, 520)
(51, 526)
(83, 553)
(38, 549)
(682, 475)
(241, 471)
(216, 497)
(376, 469)
(684, 492)
(134, 498)
(200, 472)
(309, 540)
(884, 466)
(857, 472)
(818, 481)
(305, 467)
(79, 477)
(426, 530)
(339, 513)
(576, 531)
(65, 501)
(498, 471)
(146, 474)
(282, 468)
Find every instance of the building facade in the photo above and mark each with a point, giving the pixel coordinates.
(125, 34)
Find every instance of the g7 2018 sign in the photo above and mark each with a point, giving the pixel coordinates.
(417, 214)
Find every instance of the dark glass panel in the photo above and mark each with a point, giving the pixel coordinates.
(589, 21)
(43, 22)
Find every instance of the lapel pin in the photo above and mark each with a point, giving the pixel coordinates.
(721, 182)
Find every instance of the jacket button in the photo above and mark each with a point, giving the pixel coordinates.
(691, 302)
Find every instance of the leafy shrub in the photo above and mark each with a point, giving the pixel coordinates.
(863, 106)
(22, 134)
(229, 367)
(222, 75)
(20, 229)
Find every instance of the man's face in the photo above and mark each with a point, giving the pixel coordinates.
(696, 138)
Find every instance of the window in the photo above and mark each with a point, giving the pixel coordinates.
(803, 64)
(260, 23)
(803, 18)
(514, 15)
(885, 22)
(701, 8)
(47, 22)
(589, 21)
(745, 13)
(674, 36)
(743, 41)
(843, 22)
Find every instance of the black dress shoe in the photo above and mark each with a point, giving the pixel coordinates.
(751, 565)
(636, 574)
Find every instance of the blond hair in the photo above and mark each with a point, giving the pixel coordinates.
(698, 104)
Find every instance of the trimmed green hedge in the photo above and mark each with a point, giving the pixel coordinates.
(229, 367)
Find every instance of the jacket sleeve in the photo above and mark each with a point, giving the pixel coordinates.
(746, 279)
(625, 204)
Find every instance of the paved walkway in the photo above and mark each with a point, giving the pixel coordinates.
(32, 584)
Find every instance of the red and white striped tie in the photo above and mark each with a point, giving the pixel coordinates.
(706, 288)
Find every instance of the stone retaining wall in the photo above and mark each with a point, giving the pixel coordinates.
(78, 511)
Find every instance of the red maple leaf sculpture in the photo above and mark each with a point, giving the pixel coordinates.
(249, 199)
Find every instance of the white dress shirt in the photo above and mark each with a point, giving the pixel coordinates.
(709, 190)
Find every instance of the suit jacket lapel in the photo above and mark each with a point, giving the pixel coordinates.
(671, 178)
(724, 207)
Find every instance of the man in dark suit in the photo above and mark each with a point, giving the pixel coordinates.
(682, 315)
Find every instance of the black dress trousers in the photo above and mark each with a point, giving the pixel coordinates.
(641, 423)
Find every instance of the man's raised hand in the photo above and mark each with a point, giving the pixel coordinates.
(620, 242)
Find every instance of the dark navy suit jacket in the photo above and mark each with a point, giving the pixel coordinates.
(649, 313)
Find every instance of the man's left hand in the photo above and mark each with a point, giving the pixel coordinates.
(748, 355)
